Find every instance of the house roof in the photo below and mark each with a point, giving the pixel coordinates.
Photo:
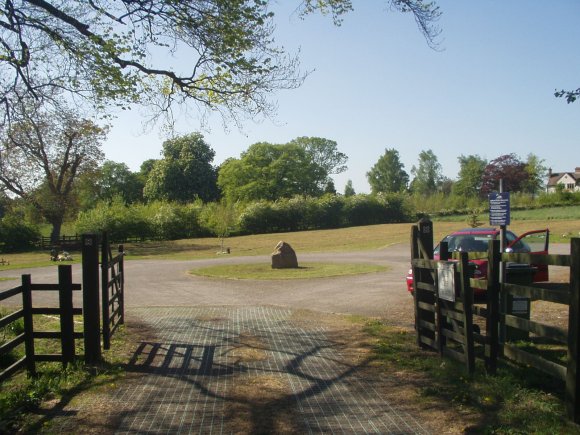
(554, 177)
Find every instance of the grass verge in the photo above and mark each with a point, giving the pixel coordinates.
(22, 398)
(517, 400)
(261, 271)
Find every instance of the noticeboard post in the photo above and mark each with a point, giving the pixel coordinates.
(499, 208)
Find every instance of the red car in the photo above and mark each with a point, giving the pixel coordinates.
(476, 240)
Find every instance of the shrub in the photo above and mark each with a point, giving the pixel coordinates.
(16, 235)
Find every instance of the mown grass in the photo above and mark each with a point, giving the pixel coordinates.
(539, 214)
(337, 240)
(23, 260)
(262, 271)
(516, 400)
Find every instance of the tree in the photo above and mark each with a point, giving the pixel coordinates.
(471, 170)
(185, 173)
(111, 180)
(388, 175)
(536, 171)
(427, 175)
(42, 156)
(348, 189)
(507, 167)
(268, 171)
(119, 52)
(323, 152)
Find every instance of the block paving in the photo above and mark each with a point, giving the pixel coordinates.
(216, 370)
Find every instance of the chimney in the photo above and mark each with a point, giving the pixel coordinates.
(549, 172)
(577, 170)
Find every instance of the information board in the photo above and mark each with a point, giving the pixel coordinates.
(499, 208)
(446, 280)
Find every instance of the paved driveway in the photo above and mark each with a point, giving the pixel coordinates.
(168, 283)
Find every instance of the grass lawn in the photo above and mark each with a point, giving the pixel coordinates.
(262, 271)
(338, 240)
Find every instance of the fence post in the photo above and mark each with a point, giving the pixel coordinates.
(91, 299)
(122, 285)
(422, 237)
(28, 325)
(65, 296)
(467, 299)
(105, 291)
(573, 372)
(492, 320)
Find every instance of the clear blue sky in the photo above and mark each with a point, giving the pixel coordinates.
(376, 84)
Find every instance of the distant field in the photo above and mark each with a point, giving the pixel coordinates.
(554, 213)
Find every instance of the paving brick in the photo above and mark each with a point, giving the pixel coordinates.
(195, 376)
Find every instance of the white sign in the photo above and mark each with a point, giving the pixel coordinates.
(446, 280)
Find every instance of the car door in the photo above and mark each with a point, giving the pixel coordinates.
(534, 242)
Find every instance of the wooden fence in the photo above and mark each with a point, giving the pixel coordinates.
(111, 291)
(65, 311)
(64, 243)
(432, 311)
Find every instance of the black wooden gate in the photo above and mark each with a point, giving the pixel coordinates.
(112, 289)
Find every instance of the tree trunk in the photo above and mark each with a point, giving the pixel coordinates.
(55, 232)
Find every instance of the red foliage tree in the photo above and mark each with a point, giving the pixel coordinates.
(507, 167)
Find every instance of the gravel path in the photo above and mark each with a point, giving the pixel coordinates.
(168, 283)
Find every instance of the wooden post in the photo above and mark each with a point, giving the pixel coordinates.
(65, 296)
(28, 325)
(415, 255)
(91, 299)
(441, 321)
(422, 248)
(105, 291)
(467, 300)
(573, 372)
(444, 251)
(492, 320)
(122, 285)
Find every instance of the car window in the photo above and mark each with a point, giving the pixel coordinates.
(519, 247)
(468, 243)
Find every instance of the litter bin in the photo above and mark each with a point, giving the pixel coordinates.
(517, 305)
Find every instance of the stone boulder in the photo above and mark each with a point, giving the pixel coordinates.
(284, 257)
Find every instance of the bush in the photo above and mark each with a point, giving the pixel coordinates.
(328, 211)
(157, 220)
(16, 235)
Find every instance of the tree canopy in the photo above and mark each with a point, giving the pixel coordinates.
(469, 180)
(111, 179)
(185, 172)
(121, 52)
(507, 167)
(388, 175)
(43, 154)
(428, 175)
(268, 171)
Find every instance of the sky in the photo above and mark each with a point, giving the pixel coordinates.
(374, 84)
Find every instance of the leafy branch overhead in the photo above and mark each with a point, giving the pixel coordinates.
(218, 54)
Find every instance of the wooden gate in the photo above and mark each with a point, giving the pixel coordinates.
(446, 326)
(443, 320)
(112, 289)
